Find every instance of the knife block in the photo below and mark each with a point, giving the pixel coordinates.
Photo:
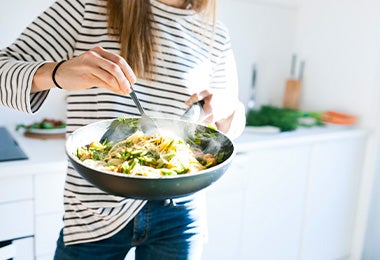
(292, 95)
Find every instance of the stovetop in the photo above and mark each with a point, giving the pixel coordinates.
(9, 148)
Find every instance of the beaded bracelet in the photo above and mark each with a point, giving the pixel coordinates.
(54, 71)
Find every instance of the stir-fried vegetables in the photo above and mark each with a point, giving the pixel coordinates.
(154, 155)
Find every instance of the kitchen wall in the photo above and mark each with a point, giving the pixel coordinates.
(262, 33)
(340, 41)
(14, 17)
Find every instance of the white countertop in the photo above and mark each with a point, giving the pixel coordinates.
(47, 155)
(251, 140)
(43, 156)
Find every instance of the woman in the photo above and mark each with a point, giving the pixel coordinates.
(175, 54)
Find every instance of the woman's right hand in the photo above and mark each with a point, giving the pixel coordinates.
(96, 67)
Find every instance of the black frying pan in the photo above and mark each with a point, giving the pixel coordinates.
(139, 187)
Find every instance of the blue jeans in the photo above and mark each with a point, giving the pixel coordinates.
(171, 229)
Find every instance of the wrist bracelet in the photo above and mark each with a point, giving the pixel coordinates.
(54, 71)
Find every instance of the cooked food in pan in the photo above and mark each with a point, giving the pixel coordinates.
(152, 156)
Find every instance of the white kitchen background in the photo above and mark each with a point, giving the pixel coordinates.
(338, 39)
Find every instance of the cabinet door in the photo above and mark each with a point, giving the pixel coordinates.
(49, 192)
(48, 211)
(256, 210)
(224, 220)
(274, 202)
(46, 234)
(225, 200)
(18, 249)
(13, 189)
(331, 205)
(24, 249)
(16, 220)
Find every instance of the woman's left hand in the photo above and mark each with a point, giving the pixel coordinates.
(218, 110)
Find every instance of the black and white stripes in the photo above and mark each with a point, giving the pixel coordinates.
(189, 58)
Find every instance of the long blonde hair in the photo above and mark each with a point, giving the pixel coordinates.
(130, 21)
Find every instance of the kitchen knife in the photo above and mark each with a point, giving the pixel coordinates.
(251, 101)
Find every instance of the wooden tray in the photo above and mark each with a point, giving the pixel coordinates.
(44, 136)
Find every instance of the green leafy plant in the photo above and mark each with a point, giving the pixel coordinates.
(283, 118)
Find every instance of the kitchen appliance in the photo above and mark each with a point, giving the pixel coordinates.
(9, 148)
(140, 187)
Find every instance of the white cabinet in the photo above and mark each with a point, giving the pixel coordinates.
(17, 249)
(16, 218)
(31, 206)
(259, 216)
(332, 195)
(31, 199)
(287, 199)
(14, 189)
(16, 207)
(224, 223)
(274, 202)
(48, 211)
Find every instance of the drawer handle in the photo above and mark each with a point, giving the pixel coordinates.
(8, 252)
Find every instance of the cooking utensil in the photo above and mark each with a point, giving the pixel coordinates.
(147, 124)
(139, 187)
(194, 112)
(118, 130)
(251, 102)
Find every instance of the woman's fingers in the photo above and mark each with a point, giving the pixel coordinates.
(216, 107)
(203, 95)
(119, 61)
(97, 67)
(206, 96)
(114, 70)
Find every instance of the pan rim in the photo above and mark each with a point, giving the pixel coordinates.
(179, 176)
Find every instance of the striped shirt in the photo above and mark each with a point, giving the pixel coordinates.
(185, 63)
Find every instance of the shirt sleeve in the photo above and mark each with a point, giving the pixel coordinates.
(50, 37)
(225, 84)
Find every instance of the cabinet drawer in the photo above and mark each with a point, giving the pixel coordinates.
(47, 231)
(16, 220)
(16, 188)
(49, 193)
(19, 249)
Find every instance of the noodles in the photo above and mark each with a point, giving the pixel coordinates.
(153, 156)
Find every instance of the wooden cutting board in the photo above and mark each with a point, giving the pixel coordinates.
(44, 136)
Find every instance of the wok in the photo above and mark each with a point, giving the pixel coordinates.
(140, 187)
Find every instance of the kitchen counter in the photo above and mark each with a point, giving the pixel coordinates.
(50, 154)
(43, 155)
(317, 170)
(251, 139)
(295, 192)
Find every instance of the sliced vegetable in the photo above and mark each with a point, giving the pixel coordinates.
(145, 155)
(44, 124)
